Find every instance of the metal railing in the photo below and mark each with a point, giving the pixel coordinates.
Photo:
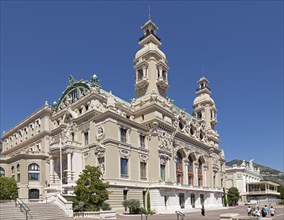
(180, 214)
(23, 207)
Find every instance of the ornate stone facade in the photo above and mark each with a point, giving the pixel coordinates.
(148, 145)
(241, 176)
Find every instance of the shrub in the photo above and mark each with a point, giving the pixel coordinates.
(133, 205)
(143, 211)
(106, 206)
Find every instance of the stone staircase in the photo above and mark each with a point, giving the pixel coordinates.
(9, 211)
(38, 211)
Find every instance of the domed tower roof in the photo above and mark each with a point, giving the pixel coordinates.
(203, 93)
(150, 47)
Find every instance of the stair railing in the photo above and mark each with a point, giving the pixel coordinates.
(23, 207)
(180, 214)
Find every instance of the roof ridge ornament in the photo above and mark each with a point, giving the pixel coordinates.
(71, 79)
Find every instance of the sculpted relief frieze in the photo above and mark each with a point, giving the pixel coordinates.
(97, 105)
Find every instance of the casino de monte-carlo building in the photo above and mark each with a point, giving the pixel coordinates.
(146, 145)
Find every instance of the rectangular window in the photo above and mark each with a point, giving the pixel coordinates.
(142, 141)
(33, 176)
(86, 136)
(143, 170)
(163, 172)
(181, 200)
(124, 167)
(123, 135)
(18, 177)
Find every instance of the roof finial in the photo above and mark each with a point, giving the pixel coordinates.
(149, 11)
(202, 69)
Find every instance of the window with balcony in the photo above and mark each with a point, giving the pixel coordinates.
(140, 75)
(143, 170)
(163, 172)
(123, 167)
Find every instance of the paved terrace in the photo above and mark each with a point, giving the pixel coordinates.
(196, 214)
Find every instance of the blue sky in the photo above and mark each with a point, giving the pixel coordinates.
(238, 43)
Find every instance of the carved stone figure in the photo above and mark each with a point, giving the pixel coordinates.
(110, 101)
(100, 133)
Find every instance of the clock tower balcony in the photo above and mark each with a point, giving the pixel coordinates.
(162, 83)
(142, 82)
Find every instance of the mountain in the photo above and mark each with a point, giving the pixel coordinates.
(266, 172)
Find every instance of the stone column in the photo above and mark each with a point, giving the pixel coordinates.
(51, 170)
(196, 175)
(57, 170)
(205, 176)
(185, 173)
(175, 170)
(69, 168)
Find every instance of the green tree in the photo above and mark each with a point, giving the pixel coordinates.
(148, 202)
(9, 189)
(233, 196)
(280, 189)
(90, 189)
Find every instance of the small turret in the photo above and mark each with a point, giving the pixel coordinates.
(204, 106)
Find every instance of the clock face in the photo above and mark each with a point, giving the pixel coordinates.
(239, 175)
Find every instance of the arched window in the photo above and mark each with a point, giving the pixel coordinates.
(33, 171)
(13, 171)
(18, 173)
(2, 172)
(179, 171)
(200, 172)
(190, 171)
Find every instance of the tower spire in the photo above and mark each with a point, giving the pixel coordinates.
(149, 12)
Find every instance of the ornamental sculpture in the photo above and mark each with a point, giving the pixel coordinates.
(100, 133)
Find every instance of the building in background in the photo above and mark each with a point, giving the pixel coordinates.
(148, 145)
(240, 176)
(265, 192)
